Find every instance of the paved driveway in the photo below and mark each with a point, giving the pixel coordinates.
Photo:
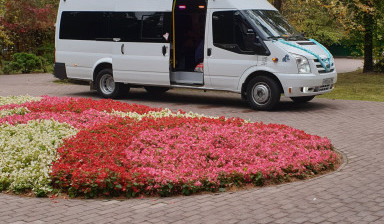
(348, 65)
(354, 194)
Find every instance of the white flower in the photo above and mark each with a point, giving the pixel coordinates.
(158, 114)
(27, 152)
(17, 99)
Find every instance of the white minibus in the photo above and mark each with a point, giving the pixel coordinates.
(242, 46)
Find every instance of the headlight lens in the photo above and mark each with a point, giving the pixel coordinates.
(302, 64)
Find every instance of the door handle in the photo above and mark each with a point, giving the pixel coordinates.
(164, 50)
(122, 48)
(209, 51)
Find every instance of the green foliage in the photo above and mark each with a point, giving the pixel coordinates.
(314, 20)
(4, 38)
(258, 179)
(2, 7)
(378, 51)
(23, 62)
(379, 65)
(7, 68)
(362, 20)
(26, 25)
(357, 23)
(47, 52)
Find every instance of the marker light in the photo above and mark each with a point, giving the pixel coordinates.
(182, 7)
(275, 60)
(201, 6)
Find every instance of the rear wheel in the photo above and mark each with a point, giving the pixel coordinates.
(155, 90)
(106, 85)
(302, 99)
(263, 93)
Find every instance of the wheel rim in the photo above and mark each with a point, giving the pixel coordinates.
(261, 93)
(107, 84)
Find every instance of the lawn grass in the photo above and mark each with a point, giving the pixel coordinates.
(358, 86)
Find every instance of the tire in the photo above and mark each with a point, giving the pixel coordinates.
(244, 97)
(155, 90)
(106, 86)
(263, 93)
(302, 99)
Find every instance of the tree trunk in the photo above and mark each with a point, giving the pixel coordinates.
(368, 42)
(278, 4)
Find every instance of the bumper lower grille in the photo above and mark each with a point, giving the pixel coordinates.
(323, 88)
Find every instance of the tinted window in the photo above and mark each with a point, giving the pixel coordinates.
(230, 32)
(152, 26)
(85, 25)
(128, 26)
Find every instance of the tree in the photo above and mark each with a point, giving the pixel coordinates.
(2, 7)
(360, 21)
(278, 4)
(311, 18)
(28, 23)
(360, 18)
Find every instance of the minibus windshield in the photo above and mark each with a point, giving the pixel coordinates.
(272, 25)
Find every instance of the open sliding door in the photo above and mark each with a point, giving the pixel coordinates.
(142, 30)
(189, 23)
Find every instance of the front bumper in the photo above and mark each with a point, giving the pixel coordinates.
(296, 85)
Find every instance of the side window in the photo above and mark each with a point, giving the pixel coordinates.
(126, 26)
(140, 26)
(85, 26)
(152, 27)
(230, 32)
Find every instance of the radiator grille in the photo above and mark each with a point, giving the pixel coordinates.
(320, 68)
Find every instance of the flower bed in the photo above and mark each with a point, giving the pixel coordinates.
(110, 148)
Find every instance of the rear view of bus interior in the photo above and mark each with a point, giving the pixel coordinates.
(188, 42)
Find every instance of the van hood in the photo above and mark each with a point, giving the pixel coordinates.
(307, 45)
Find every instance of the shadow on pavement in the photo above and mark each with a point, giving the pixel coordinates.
(207, 100)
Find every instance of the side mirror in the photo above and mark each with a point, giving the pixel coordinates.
(254, 43)
(250, 40)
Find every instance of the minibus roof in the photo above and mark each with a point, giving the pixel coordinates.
(157, 5)
(240, 4)
(117, 5)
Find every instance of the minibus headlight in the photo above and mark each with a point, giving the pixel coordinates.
(302, 64)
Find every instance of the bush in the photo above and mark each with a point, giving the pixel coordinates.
(379, 65)
(23, 62)
(44, 64)
(7, 69)
(46, 51)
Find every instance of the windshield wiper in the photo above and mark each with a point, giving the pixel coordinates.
(293, 37)
(297, 37)
(276, 37)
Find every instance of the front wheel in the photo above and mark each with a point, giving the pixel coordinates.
(263, 93)
(302, 99)
(106, 85)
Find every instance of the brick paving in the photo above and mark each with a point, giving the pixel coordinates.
(354, 194)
